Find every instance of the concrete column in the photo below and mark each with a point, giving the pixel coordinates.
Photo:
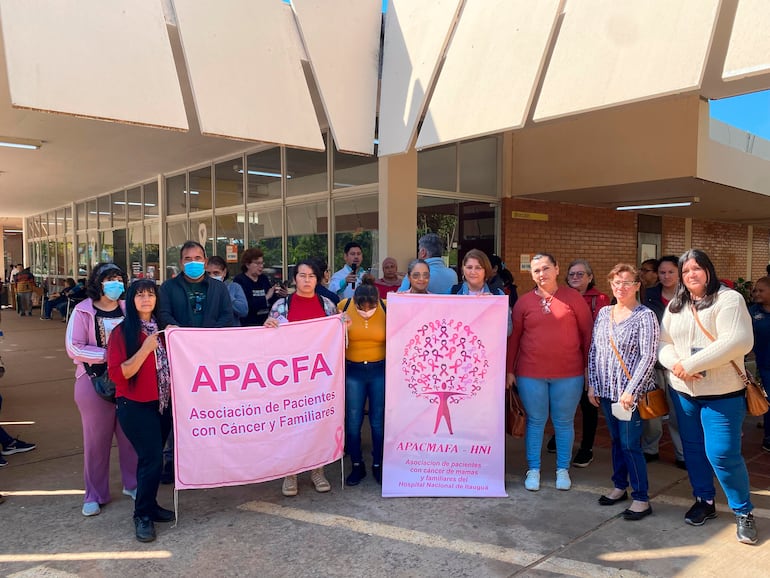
(398, 208)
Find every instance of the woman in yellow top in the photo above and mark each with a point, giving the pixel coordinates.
(364, 376)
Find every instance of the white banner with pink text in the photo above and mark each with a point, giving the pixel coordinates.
(444, 408)
(253, 404)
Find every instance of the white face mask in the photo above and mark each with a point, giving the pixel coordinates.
(218, 277)
(367, 314)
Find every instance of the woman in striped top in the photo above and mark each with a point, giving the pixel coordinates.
(620, 368)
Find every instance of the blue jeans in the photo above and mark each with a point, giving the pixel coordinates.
(711, 439)
(362, 381)
(627, 458)
(561, 396)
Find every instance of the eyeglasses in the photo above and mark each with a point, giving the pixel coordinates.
(577, 274)
(626, 284)
(472, 268)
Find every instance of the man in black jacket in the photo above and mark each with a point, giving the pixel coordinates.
(192, 299)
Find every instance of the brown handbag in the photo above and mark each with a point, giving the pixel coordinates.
(515, 417)
(756, 397)
(651, 404)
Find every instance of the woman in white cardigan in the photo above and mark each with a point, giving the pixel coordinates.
(705, 328)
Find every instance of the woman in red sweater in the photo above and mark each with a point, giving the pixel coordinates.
(547, 357)
(137, 363)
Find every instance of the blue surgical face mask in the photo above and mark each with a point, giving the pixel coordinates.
(113, 289)
(194, 269)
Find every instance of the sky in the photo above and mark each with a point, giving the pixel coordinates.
(749, 112)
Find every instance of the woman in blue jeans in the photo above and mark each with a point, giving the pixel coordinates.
(547, 357)
(620, 368)
(706, 331)
(364, 376)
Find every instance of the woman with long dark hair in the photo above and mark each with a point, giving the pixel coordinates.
(88, 331)
(139, 367)
(706, 331)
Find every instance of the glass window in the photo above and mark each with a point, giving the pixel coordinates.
(61, 258)
(200, 189)
(119, 244)
(69, 268)
(229, 183)
(32, 228)
(230, 235)
(42, 263)
(307, 233)
(478, 167)
(92, 214)
(305, 172)
(52, 225)
(356, 220)
(51, 263)
(176, 235)
(43, 225)
(176, 195)
(61, 222)
(266, 232)
(82, 213)
(437, 168)
(105, 213)
(93, 249)
(202, 230)
(136, 268)
(440, 216)
(134, 204)
(352, 170)
(68, 224)
(106, 247)
(119, 209)
(151, 200)
(84, 257)
(152, 250)
(264, 175)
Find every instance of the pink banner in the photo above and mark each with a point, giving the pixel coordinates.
(254, 404)
(444, 410)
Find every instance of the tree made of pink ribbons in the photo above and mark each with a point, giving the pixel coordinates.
(446, 363)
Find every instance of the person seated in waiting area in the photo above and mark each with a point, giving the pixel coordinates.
(11, 445)
(58, 299)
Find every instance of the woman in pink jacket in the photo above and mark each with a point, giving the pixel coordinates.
(88, 331)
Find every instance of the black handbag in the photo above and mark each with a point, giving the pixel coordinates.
(103, 385)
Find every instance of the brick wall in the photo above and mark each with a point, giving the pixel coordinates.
(603, 237)
(606, 237)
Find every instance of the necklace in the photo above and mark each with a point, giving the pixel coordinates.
(545, 302)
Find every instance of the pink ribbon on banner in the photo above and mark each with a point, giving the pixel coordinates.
(339, 437)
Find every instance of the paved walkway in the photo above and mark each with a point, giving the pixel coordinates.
(255, 531)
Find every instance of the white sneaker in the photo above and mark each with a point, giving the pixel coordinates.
(562, 480)
(130, 493)
(532, 481)
(91, 509)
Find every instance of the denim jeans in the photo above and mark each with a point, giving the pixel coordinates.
(627, 459)
(711, 439)
(561, 397)
(362, 381)
(146, 429)
(5, 437)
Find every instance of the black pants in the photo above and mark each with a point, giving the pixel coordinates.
(147, 430)
(590, 422)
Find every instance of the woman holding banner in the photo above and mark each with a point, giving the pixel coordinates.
(138, 365)
(418, 273)
(304, 304)
(547, 357)
(364, 376)
(621, 367)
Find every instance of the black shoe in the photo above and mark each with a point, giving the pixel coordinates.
(358, 474)
(163, 515)
(605, 501)
(634, 516)
(746, 530)
(551, 447)
(583, 458)
(649, 458)
(145, 529)
(167, 475)
(377, 473)
(700, 512)
(680, 464)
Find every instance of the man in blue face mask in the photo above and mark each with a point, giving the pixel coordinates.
(191, 299)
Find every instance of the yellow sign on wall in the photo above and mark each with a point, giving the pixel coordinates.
(529, 216)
